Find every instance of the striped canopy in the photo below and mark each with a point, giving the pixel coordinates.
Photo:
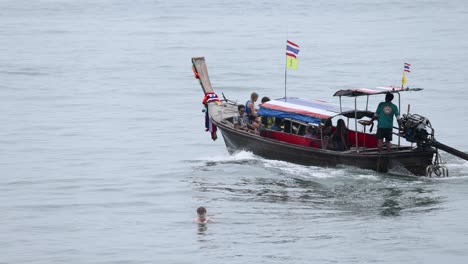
(353, 92)
(305, 110)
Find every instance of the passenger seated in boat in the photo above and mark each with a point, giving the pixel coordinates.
(316, 133)
(326, 132)
(277, 126)
(313, 134)
(251, 111)
(240, 120)
(339, 139)
(266, 121)
(310, 132)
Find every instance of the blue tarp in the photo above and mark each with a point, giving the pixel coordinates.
(281, 114)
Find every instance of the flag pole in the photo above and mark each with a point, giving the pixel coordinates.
(403, 79)
(285, 76)
(286, 66)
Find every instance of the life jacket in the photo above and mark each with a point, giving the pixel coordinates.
(248, 111)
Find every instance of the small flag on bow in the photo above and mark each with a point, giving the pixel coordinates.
(292, 52)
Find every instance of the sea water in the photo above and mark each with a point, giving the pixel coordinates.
(104, 158)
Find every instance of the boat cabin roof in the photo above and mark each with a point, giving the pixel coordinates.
(353, 92)
(306, 110)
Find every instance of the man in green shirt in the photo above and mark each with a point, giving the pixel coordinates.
(384, 113)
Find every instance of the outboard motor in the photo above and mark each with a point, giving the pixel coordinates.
(416, 128)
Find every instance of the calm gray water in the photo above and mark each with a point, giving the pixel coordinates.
(104, 158)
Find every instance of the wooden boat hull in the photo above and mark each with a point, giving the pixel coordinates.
(409, 162)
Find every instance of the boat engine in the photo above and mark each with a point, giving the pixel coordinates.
(415, 128)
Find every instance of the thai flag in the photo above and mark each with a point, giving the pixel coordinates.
(407, 67)
(292, 49)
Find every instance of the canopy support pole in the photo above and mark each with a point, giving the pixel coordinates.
(367, 103)
(355, 123)
(399, 109)
(341, 111)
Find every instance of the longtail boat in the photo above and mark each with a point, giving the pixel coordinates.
(415, 153)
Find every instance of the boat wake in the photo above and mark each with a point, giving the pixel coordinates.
(457, 168)
(284, 168)
(240, 158)
(247, 177)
